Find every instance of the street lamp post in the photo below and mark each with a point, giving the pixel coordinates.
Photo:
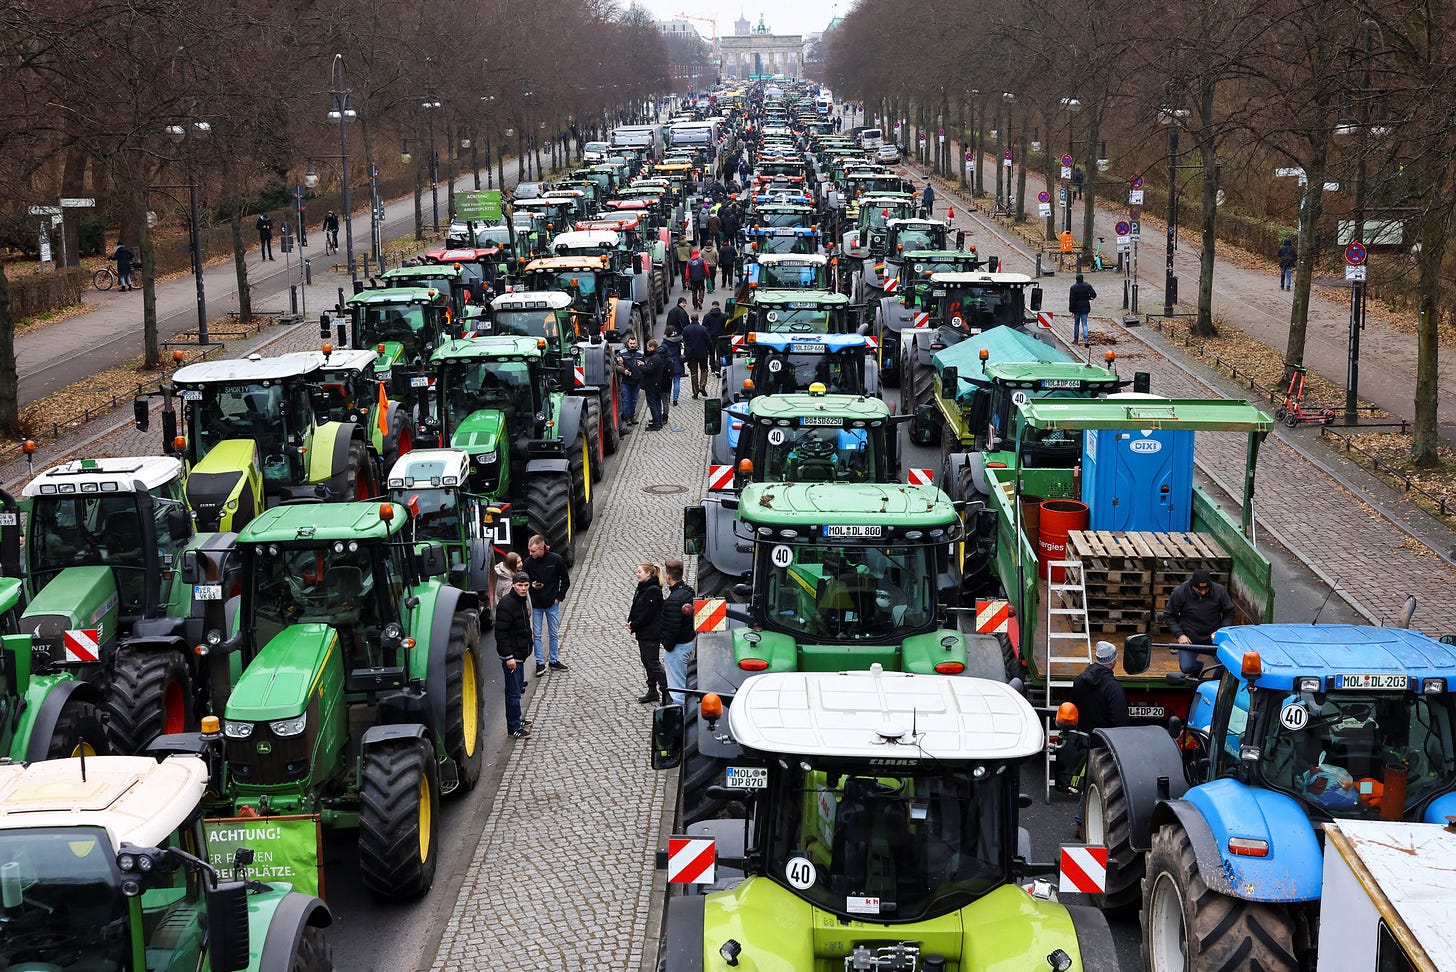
(1173, 118)
(340, 109)
(1071, 106)
(429, 106)
(196, 129)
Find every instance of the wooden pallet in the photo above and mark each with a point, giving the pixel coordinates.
(1130, 575)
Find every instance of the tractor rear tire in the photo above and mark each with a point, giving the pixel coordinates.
(1187, 926)
(548, 497)
(611, 406)
(78, 725)
(150, 695)
(1105, 798)
(399, 819)
(464, 715)
(596, 437)
(579, 456)
(314, 953)
(698, 773)
(359, 475)
(917, 380)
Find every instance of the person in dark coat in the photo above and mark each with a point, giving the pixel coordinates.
(672, 344)
(550, 581)
(714, 322)
(125, 264)
(1101, 704)
(643, 620)
(678, 316)
(264, 226)
(676, 630)
(927, 199)
(697, 347)
(1288, 257)
(727, 259)
(629, 363)
(513, 645)
(1195, 610)
(695, 278)
(1079, 303)
(656, 374)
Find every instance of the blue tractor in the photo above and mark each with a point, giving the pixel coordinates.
(1213, 829)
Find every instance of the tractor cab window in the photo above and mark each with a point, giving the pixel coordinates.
(781, 373)
(71, 912)
(1042, 448)
(102, 531)
(782, 220)
(978, 308)
(1332, 750)
(436, 512)
(783, 320)
(815, 454)
(927, 238)
(246, 410)
(482, 385)
(847, 592)
(405, 324)
(923, 844)
(524, 322)
(326, 584)
(804, 276)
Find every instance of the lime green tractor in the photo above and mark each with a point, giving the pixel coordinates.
(884, 835)
(106, 866)
(532, 448)
(352, 389)
(252, 439)
(359, 695)
(120, 591)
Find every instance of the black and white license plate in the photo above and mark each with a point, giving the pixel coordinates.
(1147, 712)
(1378, 682)
(857, 531)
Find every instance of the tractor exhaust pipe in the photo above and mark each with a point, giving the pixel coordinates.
(1407, 613)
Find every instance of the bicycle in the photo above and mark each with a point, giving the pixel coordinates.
(331, 242)
(105, 278)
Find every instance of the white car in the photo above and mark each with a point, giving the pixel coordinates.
(887, 153)
(595, 151)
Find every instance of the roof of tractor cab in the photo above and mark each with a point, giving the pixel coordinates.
(256, 368)
(792, 259)
(397, 295)
(971, 278)
(940, 256)
(1013, 373)
(915, 222)
(488, 346)
(879, 715)
(577, 262)
(112, 475)
(813, 504)
(430, 468)
(345, 359)
(532, 299)
(136, 799)
(314, 522)
(420, 270)
(798, 404)
(808, 298)
(1287, 651)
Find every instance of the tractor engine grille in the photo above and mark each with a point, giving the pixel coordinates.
(266, 759)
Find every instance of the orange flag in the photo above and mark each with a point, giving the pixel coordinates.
(383, 411)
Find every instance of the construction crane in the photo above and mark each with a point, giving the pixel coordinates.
(712, 22)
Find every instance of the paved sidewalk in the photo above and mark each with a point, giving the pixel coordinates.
(563, 877)
(1339, 534)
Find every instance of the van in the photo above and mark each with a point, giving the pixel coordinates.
(871, 138)
(703, 133)
(641, 137)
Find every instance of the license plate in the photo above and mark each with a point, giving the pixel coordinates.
(748, 777)
(825, 420)
(1397, 683)
(1147, 711)
(7, 519)
(207, 592)
(805, 347)
(191, 395)
(844, 531)
(1061, 383)
(422, 382)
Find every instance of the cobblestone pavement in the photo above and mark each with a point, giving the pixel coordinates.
(563, 875)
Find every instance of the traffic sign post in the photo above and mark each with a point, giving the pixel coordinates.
(1355, 270)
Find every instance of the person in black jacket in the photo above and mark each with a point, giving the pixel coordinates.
(549, 584)
(513, 644)
(679, 640)
(643, 620)
(697, 346)
(715, 320)
(1079, 302)
(630, 363)
(678, 316)
(1196, 610)
(1101, 704)
(656, 375)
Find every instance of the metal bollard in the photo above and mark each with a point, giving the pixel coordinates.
(308, 271)
(293, 298)
(1126, 284)
(1038, 264)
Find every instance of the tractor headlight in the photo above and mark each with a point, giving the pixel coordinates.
(289, 727)
(126, 862)
(392, 634)
(487, 458)
(237, 730)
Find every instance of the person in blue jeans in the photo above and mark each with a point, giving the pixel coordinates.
(1079, 303)
(513, 644)
(629, 363)
(679, 639)
(549, 584)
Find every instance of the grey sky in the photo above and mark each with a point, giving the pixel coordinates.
(783, 17)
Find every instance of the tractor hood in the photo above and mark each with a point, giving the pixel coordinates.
(918, 653)
(77, 598)
(278, 682)
(480, 432)
(218, 478)
(391, 354)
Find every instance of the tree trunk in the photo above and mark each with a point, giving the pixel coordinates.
(1046, 173)
(980, 173)
(1207, 153)
(73, 183)
(152, 348)
(9, 379)
(1021, 175)
(240, 264)
(1089, 187)
(963, 147)
(1309, 243)
(419, 202)
(1424, 436)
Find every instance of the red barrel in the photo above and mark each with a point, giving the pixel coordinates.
(1058, 518)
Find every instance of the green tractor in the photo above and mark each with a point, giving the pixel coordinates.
(359, 694)
(530, 446)
(352, 389)
(252, 439)
(107, 867)
(883, 834)
(120, 590)
(447, 279)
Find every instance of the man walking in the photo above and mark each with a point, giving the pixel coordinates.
(1079, 303)
(697, 347)
(714, 321)
(727, 262)
(678, 316)
(927, 200)
(549, 584)
(1288, 257)
(695, 278)
(1101, 704)
(513, 644)
(264, 226)
(1196, 610)
(676, 629)
(656, 374)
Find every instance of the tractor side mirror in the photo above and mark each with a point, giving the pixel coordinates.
(1142, 382)
(358, 287)
(179, 523)
(227, 926)
(1137, 653)
(667, 736)
(950, 377)
(324, 323)
(141, 413)
(1036, 298)
(695, 529)
(432, 560)
(960, 239)
(1448, 639)
(712, 417)
(169, 428)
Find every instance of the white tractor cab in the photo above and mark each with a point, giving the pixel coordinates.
(105, 859)
(880, 818)
(434, 485)
(789, 271)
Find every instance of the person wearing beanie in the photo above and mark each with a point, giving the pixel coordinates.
(513, 643)
(1101, 704)
(1195, 610)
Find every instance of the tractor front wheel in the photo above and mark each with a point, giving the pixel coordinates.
(611, 406)
(359, 475)
(313, 953)
(149, 696)
(1187, 927)
(463, 738)
(1108, 819)
(398, 819)
(580, 456)
(596, 437)
(78, 732)
(548, 497)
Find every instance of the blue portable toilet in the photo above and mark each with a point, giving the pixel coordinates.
(1138, 479)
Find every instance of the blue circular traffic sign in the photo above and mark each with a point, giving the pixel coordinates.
(1044, 196)
(1122, 228)
(1355, 253)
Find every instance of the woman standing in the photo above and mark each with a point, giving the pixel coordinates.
(642, 621)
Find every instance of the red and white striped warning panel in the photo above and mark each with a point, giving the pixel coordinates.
(920, 477)
(710, 614)
(993, 617)
(892, 285)
(1083, 869)
(82, 645)
(871, 342)
(690, 860)
(737, 341)
(578, 373)
(920, 318)
(1044, 320)
(720, 477)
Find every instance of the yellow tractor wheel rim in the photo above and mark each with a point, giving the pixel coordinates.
(83, 748)
(585, 471)
(425, 818)
(470, 699)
